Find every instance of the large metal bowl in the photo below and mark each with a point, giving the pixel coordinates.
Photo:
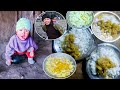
(94, 31)
(88, 69)
(57, 44)
(59, 55)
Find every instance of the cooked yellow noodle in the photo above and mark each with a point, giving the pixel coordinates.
(60, 67)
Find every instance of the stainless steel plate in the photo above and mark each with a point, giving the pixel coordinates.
(86, 51)
(88, 68)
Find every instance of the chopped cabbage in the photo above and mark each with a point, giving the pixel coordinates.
(80, 18)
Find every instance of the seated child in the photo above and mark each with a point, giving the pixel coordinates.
(21, 43)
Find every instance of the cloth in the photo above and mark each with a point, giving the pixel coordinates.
(56, 26)
(18, 57)
(17, 45)
(23, 23)
(52, 33)
(28, 53)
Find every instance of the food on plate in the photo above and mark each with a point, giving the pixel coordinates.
(76, 42)
(69, 46)
(109, 27)
(59, 67)
(79, 18)
(106, 26)
(103, 64)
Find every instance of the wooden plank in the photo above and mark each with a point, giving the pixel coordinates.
(37, 13)
(19, 14)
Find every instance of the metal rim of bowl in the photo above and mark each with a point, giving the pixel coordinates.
(43, 14)
(91, 76)
(72, 59)
(96, 14)
(81, 27)
(90, 48)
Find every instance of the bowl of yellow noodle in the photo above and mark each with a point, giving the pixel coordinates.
(59, 65)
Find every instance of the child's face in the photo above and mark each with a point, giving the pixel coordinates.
(23, 34)
(54, 19)
(47, 21)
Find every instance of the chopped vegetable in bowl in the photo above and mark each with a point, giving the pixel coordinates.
(69, 46)
(77, 42)
(79, 19)
(104, 62)
(106, 26)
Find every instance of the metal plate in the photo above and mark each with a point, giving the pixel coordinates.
(94, 22)
(57, 43)
(88, 69)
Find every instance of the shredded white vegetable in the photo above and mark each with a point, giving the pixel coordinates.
(80, 18)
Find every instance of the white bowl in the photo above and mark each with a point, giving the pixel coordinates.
(59, 55)
(106, 12)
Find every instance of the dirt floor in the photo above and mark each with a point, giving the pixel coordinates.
(26, 71)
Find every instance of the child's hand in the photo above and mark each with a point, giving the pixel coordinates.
(8, 62)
